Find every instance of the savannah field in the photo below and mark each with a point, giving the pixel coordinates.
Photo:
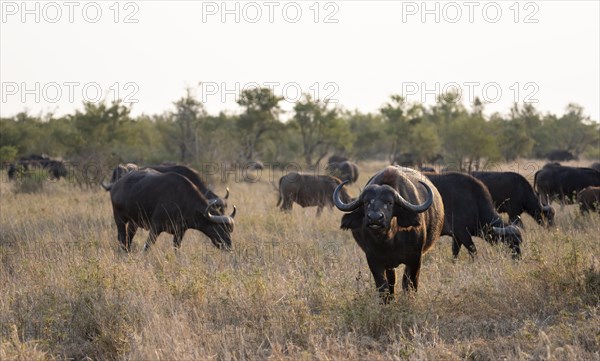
(295, 287)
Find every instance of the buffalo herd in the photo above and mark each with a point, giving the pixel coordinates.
(397, 217)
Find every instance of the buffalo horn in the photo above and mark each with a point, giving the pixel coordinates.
(413, 207)
(218, 219)
(345, 207)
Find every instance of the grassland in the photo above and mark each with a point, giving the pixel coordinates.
(295, 287)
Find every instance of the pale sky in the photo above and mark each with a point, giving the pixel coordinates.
(358, 52)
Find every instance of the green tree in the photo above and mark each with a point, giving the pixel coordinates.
(399, 116)
(260, 115)
(469, 140)
(369, 130)
(320, 128)
(578, 131)
(8, 153)
(516, 134)
(424, 142)
(187, 117)
(98, 127)
(25, 132)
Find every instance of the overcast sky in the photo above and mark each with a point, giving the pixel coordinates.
(54, 55)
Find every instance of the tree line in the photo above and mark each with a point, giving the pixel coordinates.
(400, 131)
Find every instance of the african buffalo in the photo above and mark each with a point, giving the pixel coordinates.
(56, 168)
(308, 191)
(589, 199)
(165, 202)
(563, 182)
(344, 171)
(470, 212)
(395, 220)
(560, 155)
(187, 172)
(513, 194)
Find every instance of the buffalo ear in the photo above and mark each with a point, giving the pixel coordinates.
(406, 218)
(353, 220)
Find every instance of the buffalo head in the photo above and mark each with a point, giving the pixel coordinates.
(221, 226)
(511, 236)
(547, 216)
(381, 203)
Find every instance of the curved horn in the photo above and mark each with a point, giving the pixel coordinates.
(218, 219)
(233, 213)
(106, 186)
(226, 194)
(349, 207)
(413, 207)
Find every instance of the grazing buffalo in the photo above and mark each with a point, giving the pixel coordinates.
(470, 212)
(56, 168)
(308, 191)
(562, 182)
(560, 155)
(395, 220)
(345, 171)
(589, 199)
(187, 172)
(165, 202)
(513, 194)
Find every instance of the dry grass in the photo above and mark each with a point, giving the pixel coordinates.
(295, 287)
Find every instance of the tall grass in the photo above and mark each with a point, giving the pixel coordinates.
(295, 287)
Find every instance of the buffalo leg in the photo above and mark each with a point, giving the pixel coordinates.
(287, 204)
(544, 198)
(455, 246)
(122, 233)
(177, 237)
(463, 238)
(319, 210)
(381, 283)
(131, 229)
(390, 274)
(410, 279)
